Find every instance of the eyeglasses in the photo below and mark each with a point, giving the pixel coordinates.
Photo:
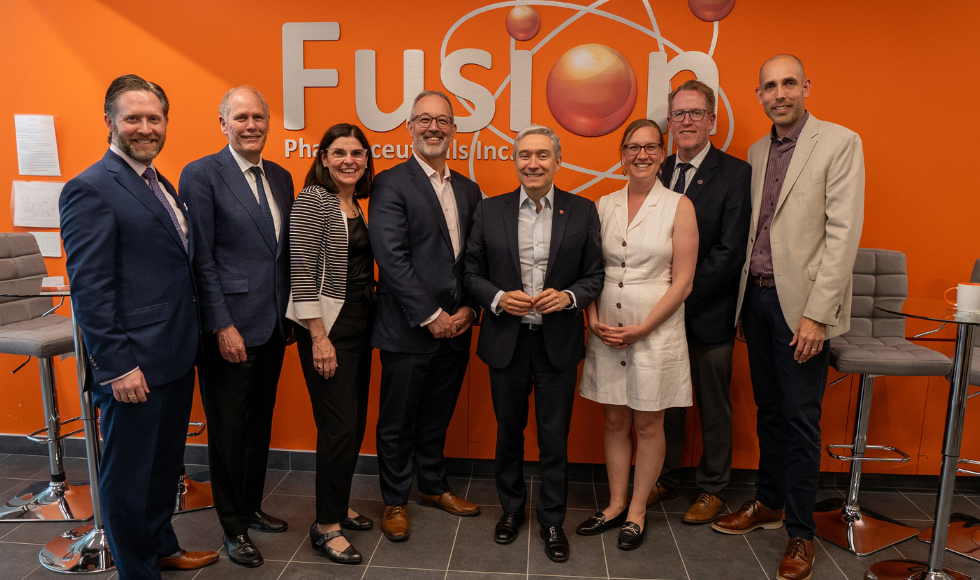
(633, 149)
(424, 121)
(339, 154)
(696, 114)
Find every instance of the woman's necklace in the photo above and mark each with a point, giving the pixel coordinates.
(352, 208)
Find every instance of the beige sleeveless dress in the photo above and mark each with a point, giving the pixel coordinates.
(653, 373)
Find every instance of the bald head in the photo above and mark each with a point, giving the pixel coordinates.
(784, 59)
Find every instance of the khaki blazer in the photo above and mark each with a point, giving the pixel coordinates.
(816, 229)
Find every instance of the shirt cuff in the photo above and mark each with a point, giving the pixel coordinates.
(119, 377)
(493, 305)
(430, 319)
(574, 303)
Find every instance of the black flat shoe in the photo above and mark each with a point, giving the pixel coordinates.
(263, 522)
(508, 527)
(598, 523)
(242, 551)
(631, 536)
(350, 555)
(358, 524)
(555, 543)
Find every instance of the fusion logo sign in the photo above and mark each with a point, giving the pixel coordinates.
(591, 90)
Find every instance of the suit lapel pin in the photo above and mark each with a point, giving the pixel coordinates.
(561, 211)
(700, 181)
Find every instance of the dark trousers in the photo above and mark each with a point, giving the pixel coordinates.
(418, 397)
(554, 392)
(339, 405)
(142, 457)
(789, 396)
(711, 375)
(238, 400)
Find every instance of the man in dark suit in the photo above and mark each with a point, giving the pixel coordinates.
(534, 262)
(420, 216)
(129, 263)
(719, 187)
(239, 206)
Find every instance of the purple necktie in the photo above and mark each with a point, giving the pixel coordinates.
(151, 176)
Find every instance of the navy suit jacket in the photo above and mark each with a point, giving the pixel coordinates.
(241, 278)
(493, 263)
(721, 193)
(418, 273)
(132, 285)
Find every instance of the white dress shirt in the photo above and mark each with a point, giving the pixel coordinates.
(691, 171)
(246, 165)
(442, 184)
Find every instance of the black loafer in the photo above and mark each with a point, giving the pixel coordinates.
(555, 543)
(350, 555)
(358, 524)
(508, 527)
(631, 536)
(263, 522)
(598, 523)
(242, 551)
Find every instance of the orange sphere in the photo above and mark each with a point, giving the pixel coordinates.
(591, 90)
(523, 22)
(711, 10)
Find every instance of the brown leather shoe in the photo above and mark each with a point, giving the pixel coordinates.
(752, 515)
(451, 503)
(188, 560)
(704, 510)
(797, 564)
(660, 493)
(394, 523)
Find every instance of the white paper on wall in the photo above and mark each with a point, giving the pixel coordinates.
(37, 146)
(49, 242)
(35, 204)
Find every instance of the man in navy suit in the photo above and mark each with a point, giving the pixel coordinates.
(421, 213)
(719, 187)
(534, 262)
(129, 263)
(239, 206)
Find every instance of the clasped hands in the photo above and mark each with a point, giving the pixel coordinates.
(518, 303)
(617, 336)
(451, 326)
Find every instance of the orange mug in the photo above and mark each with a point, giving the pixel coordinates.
(967, 297)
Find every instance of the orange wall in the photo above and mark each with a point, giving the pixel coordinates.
(886, 70)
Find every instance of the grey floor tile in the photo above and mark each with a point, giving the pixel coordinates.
(483, 492)
(9, 486)
(39, 532)
(916, 550)
(225, 569)
(299, 512)
(365, 487)
(926, 504)
(657, 557)
(687, 496)
(24, 466)
(321, 571)
(454, 575)
(899, 506)
(709, 554)
(770, 545)
(198, 530)
(475, 549)
(586, 556)
(378, 573)
(366, 542)
(853, 567)
(273, 477)
(560, 577)
(433, 532)
(297, 483)
(19, 560)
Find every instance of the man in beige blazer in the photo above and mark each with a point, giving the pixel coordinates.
(807, 213)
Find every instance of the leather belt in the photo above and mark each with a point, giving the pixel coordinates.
(530, 326)
(763, 281)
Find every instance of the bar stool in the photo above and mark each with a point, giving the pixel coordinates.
(193, 495)
(875, 346)
(29, 327)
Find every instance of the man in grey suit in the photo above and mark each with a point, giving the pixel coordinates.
(807, 213)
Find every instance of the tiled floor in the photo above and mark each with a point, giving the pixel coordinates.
(443, 547)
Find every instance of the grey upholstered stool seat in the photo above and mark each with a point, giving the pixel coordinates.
(874, 346)
(39, 337)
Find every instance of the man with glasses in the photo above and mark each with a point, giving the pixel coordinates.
(718, 186)
(240, 206)
(807, 213)
(420, 216)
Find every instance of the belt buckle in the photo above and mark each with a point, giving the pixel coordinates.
(533, 326)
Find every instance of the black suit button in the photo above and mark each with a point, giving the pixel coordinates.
(91, 358)
(620, 284)
(622, 363)
(618, 305)
(96, 367)
(624, 243)
(620, 325)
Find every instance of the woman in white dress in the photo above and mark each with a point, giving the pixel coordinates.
(636, 363)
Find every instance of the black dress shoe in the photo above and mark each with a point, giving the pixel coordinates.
(350, 555)
(242, 551)
(631, 536)
(598, 523)
(263, 522)
(555, 543)
(358, 524)
(507, 528)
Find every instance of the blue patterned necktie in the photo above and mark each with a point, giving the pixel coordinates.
(681, 170)
(151, 176)
(270, 225)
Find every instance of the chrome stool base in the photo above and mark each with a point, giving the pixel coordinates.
(82, 550)
(49, 501)
(963, 537)
(859, 532)
(193, 495)
(909, 570)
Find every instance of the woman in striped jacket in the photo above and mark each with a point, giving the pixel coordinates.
(332, 270)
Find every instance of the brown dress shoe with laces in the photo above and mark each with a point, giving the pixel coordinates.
(797, 563)
(704, 510)
(188, 560)
(394, 523)
(660, 493)
(450, 503)
(752, 515)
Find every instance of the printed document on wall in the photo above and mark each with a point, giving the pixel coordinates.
(49, 243)
(37, 147)
(35, 204)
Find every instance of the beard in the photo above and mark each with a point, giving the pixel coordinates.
(144, 155)
(426, 149)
